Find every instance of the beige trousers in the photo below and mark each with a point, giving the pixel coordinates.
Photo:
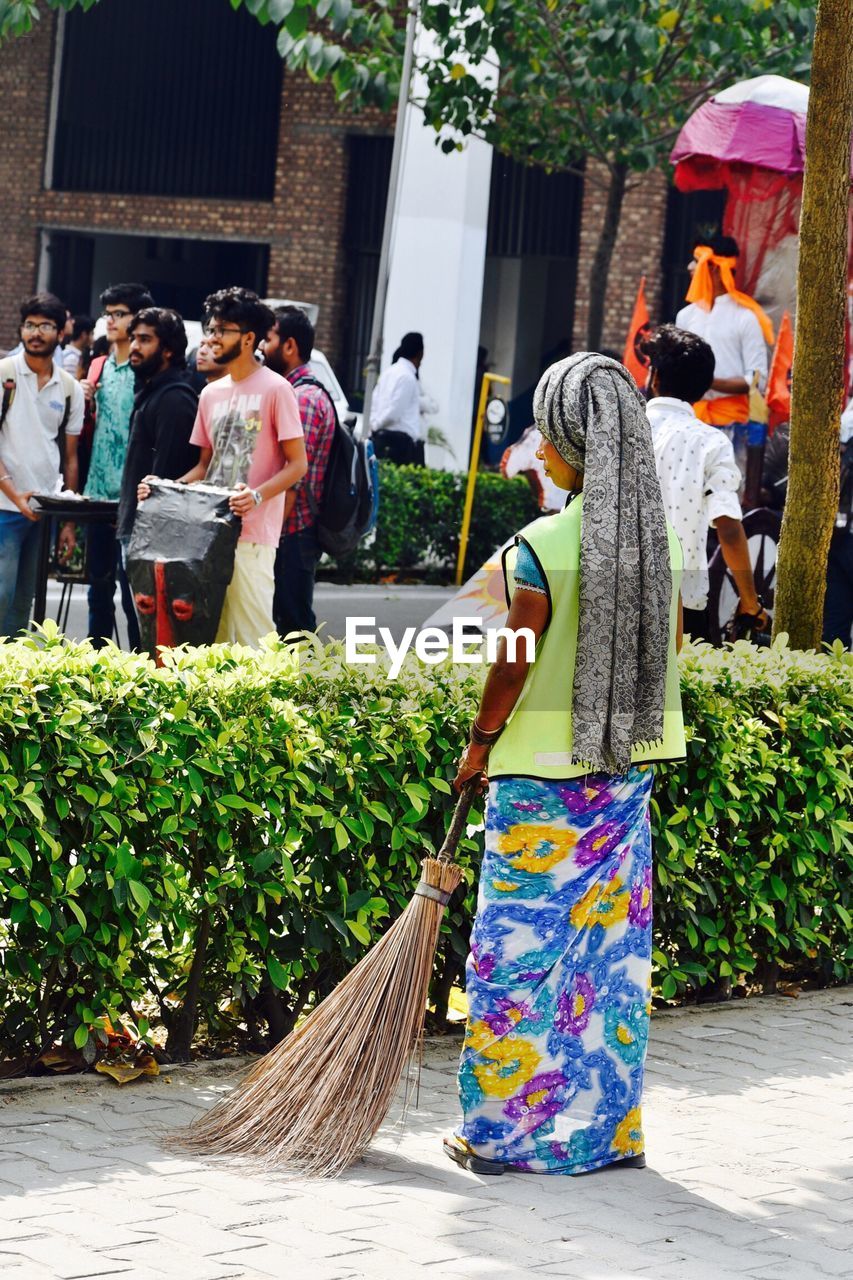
(247, 611)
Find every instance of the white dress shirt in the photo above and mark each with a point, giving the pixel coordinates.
(734, 335)
(699, 480)
(396, 404)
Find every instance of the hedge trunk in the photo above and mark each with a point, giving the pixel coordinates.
(600, 270)
(818, 384)
(182, 1031)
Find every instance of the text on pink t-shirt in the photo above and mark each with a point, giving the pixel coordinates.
(244, 423)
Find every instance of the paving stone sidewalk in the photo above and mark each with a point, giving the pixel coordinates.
(748, 1121)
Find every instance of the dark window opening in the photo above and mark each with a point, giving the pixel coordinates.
(367, 192)
(169, 99)
(530, 277)
(532, 212)
(178, 273)
(687, 215)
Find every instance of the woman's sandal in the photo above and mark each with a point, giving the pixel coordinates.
(630, 1162)
(460, 1153)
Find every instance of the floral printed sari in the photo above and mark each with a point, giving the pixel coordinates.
(558, 979)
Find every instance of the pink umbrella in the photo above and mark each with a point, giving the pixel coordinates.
(750, 139)
(759, 122)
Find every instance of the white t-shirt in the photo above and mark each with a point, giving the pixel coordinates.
(733, 334)
(71, 357)
(29, 450)
(396, 402)
(699, 480)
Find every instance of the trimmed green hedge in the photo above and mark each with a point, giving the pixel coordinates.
(753, 838)
(222, 838)
(420, 516)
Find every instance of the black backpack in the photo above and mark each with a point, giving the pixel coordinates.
(347, 508)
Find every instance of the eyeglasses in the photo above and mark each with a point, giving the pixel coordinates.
(219, 331)
(46, 326)
(117, 315)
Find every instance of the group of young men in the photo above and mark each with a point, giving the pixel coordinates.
(262, 427)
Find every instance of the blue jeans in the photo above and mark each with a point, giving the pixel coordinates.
(19, 554)
(104, 564)
(295, 568)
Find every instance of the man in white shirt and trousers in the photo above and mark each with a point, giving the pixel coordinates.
(395, 412)
(698, 475)
(40, 422)
(735, 327)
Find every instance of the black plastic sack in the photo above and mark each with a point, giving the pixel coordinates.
(180, 562)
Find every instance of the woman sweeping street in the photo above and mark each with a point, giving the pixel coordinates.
(558, 977)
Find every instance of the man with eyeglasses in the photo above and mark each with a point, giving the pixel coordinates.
(251, 441)
(113, 396)
(40, 422)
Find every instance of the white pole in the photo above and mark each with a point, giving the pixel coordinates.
(375, 357)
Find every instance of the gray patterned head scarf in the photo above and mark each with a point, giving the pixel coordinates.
(589, 408)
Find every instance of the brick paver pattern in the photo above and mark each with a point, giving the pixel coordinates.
(749, 1130)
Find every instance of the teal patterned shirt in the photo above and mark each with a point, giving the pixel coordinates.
(114, 396)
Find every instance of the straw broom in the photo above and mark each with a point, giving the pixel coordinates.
(315, 1101)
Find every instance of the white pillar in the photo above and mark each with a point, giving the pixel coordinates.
(435, 287)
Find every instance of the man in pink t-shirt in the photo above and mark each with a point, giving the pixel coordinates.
(250, 436)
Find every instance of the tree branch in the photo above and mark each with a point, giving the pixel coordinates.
(699, 95)
(665, 63)
(550, 23)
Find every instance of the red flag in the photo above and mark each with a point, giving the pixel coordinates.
(633, 359)
(779, 380)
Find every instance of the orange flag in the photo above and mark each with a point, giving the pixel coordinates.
(633, 359)
(779, 380)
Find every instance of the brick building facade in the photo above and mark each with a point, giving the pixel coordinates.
(638, 252)
(303, 225)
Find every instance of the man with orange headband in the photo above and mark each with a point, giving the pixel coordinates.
(735, 327)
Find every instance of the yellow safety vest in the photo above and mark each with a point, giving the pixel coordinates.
(537, 741)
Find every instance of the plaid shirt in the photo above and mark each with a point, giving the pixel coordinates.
(318, 423)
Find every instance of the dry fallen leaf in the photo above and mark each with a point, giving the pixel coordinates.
(122, 1072)
(62, 1058)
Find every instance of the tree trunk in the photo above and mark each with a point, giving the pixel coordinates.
(180, 1037)
(600, 270)
(818, 382)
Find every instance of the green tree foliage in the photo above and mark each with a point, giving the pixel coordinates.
(602, 84)
(580, 80)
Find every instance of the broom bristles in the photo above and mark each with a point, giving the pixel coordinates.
(315, 1102)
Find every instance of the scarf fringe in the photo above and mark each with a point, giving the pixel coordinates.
(606, 762)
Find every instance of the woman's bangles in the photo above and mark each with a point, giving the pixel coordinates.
(485, 737)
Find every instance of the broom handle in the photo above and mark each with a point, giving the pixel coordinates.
(457, 823)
